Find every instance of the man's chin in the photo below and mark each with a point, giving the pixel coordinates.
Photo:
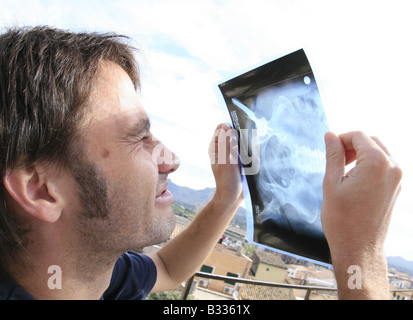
(164, 226)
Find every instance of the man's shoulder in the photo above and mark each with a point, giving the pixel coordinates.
(133, 261)
(133, 277)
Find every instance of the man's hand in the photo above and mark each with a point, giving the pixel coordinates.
(356, 210)
(223, 154)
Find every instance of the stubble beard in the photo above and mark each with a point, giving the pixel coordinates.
(100, 234)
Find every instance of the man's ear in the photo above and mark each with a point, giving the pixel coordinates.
(33, 192)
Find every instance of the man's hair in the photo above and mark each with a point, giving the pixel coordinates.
(46, 78)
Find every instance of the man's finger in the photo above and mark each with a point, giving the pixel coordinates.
(359, 142)
(384, 148)
(335, 158)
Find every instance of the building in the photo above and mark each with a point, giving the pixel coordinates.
(323, 277)
(224, 261)
(312, 275)
(268, 266)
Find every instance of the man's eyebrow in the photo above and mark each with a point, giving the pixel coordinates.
(142, 126)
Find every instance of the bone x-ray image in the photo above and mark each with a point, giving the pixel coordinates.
(278, 112)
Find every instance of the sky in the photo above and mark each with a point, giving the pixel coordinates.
(360, 51)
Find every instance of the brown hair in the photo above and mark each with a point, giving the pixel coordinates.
(46, 78)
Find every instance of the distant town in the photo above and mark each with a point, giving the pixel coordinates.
(234, 257)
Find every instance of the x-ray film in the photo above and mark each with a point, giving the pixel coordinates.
(277, 110)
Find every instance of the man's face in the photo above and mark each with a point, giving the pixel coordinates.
(121, 177)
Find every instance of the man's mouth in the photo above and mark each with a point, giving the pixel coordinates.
(162, 190)
(164, 195)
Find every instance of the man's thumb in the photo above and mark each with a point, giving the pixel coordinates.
(335, 158)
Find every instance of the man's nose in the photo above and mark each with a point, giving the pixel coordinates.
(166, 160)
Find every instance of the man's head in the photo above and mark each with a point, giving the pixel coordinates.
(76, 151)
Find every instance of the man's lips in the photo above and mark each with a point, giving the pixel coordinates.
(163, 189)
(164, 196)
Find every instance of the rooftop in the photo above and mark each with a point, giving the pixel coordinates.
(270, 259)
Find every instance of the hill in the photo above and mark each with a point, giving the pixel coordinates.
(188, 201)
(191, 198)
(400, 264)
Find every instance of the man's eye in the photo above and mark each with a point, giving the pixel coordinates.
(145, 136)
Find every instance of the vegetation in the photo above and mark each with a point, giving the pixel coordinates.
(248, 249)
(165, 295)
(168, 295)
(183, 211)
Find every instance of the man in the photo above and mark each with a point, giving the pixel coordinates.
(84, 181)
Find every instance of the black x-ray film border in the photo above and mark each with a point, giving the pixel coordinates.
(301, 75)
(264, 75)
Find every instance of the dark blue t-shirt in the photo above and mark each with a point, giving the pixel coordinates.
(133, 277)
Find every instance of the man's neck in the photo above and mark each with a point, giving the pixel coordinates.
(65, 278)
